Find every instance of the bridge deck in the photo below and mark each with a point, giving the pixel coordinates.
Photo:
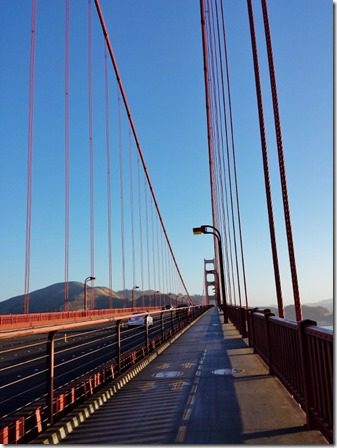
(208, 388)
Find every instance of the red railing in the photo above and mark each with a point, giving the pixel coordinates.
(32, 318)
(300, 354)
(319, 358)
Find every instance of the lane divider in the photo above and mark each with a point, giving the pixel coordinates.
(59, 431)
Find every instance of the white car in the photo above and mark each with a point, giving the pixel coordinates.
(140, 321)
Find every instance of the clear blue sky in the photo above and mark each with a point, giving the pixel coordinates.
(158, 47)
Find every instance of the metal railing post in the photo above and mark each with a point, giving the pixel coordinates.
(250, 327)
(162, 325)
(146, 334)
(51, 371)
(305, 361)
(243, 315)
(119, 346)
(267, 313)
(251, 332)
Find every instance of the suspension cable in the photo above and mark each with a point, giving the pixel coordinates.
(108, 172)
(133, 252)
(153, 248)
(233, 153)
(265, 160)
(66, 159)
(283, 178)
(137, 141)
(140, 229)
(227, 153)
(91, 154)
(147, 236)
(209, 119)
(121, 188)
(221, 167)
(30, 156)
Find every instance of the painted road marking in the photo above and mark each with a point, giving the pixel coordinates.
(190, 401)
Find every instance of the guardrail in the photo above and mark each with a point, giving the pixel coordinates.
(45, 378)
(300, 354)
(31, 318)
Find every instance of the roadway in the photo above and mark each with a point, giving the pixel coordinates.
(24, 361)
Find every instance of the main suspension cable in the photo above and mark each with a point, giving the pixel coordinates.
(137, 141)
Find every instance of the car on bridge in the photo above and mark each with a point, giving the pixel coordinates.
(168, 307)
(140, 321)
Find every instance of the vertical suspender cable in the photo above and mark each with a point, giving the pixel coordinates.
(277, 121)
(153, 248)
(147, 237)
(162, 258)
(228, 158)
(265, 160)
(66, 160)
(222, 167)
(233, 154)
(30, 156)
(91, 152)
(214, 129)
(121, 184)
(108, 172)
(164, 265)
(160, 287)
(133, 253)
(215, 143)
(140, 229)
(140, 152)
(208, 115)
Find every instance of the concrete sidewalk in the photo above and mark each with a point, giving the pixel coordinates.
(206, 388)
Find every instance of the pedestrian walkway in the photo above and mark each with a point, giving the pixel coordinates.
(206, 388)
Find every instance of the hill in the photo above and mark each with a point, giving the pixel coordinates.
(327, 303)
(318, 313)
(51, 299)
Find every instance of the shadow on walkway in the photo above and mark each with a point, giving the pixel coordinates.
(207, 388)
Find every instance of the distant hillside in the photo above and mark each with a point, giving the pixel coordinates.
(327, 303)
(318, 313)
(51, 299)
(146, 298)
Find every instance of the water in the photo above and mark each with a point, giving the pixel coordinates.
(327, 327)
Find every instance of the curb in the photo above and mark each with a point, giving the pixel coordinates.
(67, 424)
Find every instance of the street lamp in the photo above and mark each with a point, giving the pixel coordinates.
(85, 299)
(133, 296)
(205, 229)
(155, 297)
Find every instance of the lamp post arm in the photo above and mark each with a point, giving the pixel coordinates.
(217, 233)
